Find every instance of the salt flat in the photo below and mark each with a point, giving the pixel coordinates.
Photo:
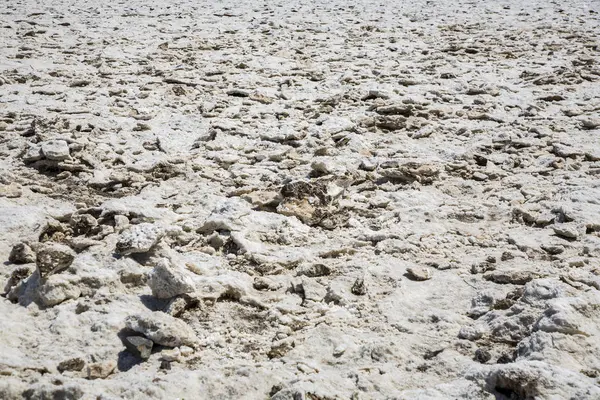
(300, 200)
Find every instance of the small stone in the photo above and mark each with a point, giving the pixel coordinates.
(162, 329)
(21, 253)
(514, 277)
(33, 153)
(567, 231)
(139, 346)
(82, 223)
(479, 176)
(52, 258)
(170, 355)
(186, 351)
(176, 306)
(57, 150)
(264, 283)
(166, 365)
(482, 356)
(168, 281)
(358, 287)
(121, 222)
(418, 273)
(72, 364)
(101, 370)
(339, 350)
(368, 164)
(139, 239)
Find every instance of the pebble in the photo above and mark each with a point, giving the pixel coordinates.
(101, 370)
(139, 346)
(368, 164)
(419, 273)
(358, 287)
(568, 231)
(170, 354)
(56, 150)
(72, 364)
(33, 153)
(162, 329)
(139, 238)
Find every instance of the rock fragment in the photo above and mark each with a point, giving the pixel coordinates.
(56, 150)
(359, 288)
(72, 364)
(411, 171)
(139, 346)
(101, 370)
(419, 273)
(57, 289)
(168, 281)
(514, 277)
(567, 231)
(139, 238)
(52, 258)
(21, 253)
(162, 329)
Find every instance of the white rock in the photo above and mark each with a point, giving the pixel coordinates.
(57, 150)
(139, 238)
(162, 329)
(167, 280)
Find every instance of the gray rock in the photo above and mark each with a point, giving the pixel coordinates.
(359, 288)
(139, 346)
(33, 153)
(568, 230)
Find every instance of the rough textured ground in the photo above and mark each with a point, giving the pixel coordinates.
(300, 200)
